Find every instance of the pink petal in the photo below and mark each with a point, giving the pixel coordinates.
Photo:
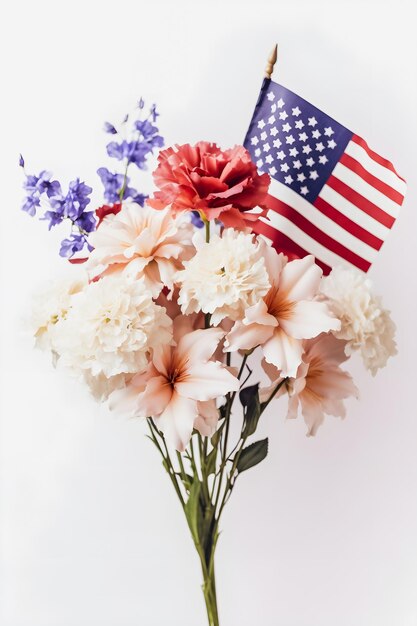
(313, 412)
(284, 352)
(243, 337)
(199, 345)
(258, 314)
(300, 279)
(177, 421)
(156, 397)
(309, 319)
(206, 381)
(162, 358)
(208, 417)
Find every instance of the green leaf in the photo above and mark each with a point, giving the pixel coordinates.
(249, 397)
(216, 436)
(211, 462)
(192, 510)
(252, 455)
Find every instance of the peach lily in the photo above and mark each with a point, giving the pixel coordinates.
(286, 315)
(179, 386)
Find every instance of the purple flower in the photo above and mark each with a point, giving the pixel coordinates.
(30, 205)
(109, 128)
(21, 161)
(196, 219)
(74, 243)
(76, 199)
(154, 113)
(113, 184)
(87, 221)
(53, 217)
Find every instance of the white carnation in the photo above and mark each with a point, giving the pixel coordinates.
(110, 329)
(366, 325)
(51, 306)
(224, 277)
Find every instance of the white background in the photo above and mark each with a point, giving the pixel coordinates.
(324, 532)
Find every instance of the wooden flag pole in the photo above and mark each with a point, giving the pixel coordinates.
(272, 59)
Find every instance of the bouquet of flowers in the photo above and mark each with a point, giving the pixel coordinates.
(172, 300)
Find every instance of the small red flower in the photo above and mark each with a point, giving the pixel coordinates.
(107, 209)
(222, 184)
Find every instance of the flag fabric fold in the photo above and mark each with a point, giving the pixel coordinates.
(330, 194)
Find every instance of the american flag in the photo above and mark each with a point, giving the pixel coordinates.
(330, 194)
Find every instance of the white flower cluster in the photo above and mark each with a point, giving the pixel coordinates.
(366, 326)
(224, 277)
(107, 331)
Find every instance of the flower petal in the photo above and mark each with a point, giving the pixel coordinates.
(300, 279)
(177, 421)
(206, 381)
(284, 352)
(199, 345)
(308, 319)
(243, 337)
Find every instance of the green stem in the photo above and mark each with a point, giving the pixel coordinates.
(124, 185)
(209, 591)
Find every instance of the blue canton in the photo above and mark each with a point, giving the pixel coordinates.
(296, 143)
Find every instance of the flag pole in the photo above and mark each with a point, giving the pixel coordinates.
(272, 59)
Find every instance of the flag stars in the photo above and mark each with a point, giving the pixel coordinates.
(289, 179)
(314, 175)
(258, 152)
(273, 108)
(307, 149)
(270, 95)
(296, 164)
(301, 178)
(269, 159)
(274, 131)
(323, 159)
(304, 190)
(289, 139)
(312, 121)
(328, 131)
(283, 115)
(281, 155)
(254, 141)
(263, 136)
(286, 127)
(277, 143)
(271, 120)
(331, 144)
(319, 146)
(299, 124)
(310, 162)
(280, 103)
(272, 170)
(259, 163)
(293, 152)
(296, 112)
(284, 167)
(302, 136)
(316, 134)
(266, 147)
(261, 124)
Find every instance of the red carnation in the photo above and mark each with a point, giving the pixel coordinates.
(222, 184)
(107, 209)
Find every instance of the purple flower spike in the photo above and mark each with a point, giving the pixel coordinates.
(109, 128)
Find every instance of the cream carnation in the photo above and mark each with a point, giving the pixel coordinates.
(111, 328)
(51, 306)
(366, 325)
(141, 242)
(226, 276)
